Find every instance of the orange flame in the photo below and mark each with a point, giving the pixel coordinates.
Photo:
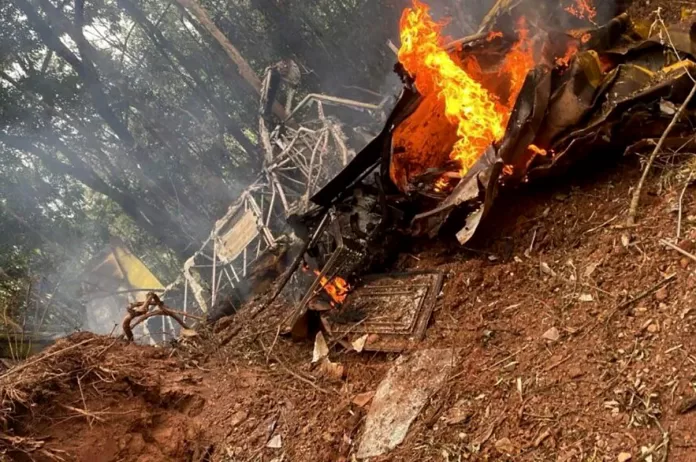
(337, 288)
(537, 150)
(564, 61)
(518, 62)
(441, 184)
(492, 35)
(583, 9)
(479, 116)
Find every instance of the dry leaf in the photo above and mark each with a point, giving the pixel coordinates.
(321, 349)
(624, 457)
(359, 344)
(590, 269)
(505, 446)
(546, 269)
(334, 371)
(363, 399)
(188, 333)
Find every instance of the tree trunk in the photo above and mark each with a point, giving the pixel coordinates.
(235, 56)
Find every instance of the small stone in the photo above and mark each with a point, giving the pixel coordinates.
(661, 295)
(684, 263)
(552, 335)
(654, 328)
(575, 372)
(275, 443)
(546, 269)
(586, 298)
(624, 457)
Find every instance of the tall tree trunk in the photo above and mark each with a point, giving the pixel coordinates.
(235, 56)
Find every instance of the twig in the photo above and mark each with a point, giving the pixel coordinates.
(631, 221)
(43, 358)
(678, 249)
(681, 201)
(596, 228)
(295, 374)
(653, 449)
(687, 406)
(556, 364)
(644, 294)
(506, 358)
(275, 339)
(84, 413)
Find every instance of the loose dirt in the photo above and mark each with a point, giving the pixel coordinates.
(551, 263)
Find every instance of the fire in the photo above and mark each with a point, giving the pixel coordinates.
(479, 115)
(537, 150)
(518, 62)
(564, 61)
(583, 9)
(441, 184)
(337, 288)
(492, 35)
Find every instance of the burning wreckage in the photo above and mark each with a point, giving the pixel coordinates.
(518, 101)
(476, 117)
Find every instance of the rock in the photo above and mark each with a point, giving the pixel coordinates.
(575, 372)
(661, 295)
(505, 446)
(654, 328)
(275, 443)
(400, 397)
(237, 418)
(586, 298)
(552, 335)
(624, 457)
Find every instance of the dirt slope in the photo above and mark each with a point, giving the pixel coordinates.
(551, 258)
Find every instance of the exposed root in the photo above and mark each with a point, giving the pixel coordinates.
(139, 312)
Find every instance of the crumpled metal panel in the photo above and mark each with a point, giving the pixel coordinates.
(608, 98)
(572, 113)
